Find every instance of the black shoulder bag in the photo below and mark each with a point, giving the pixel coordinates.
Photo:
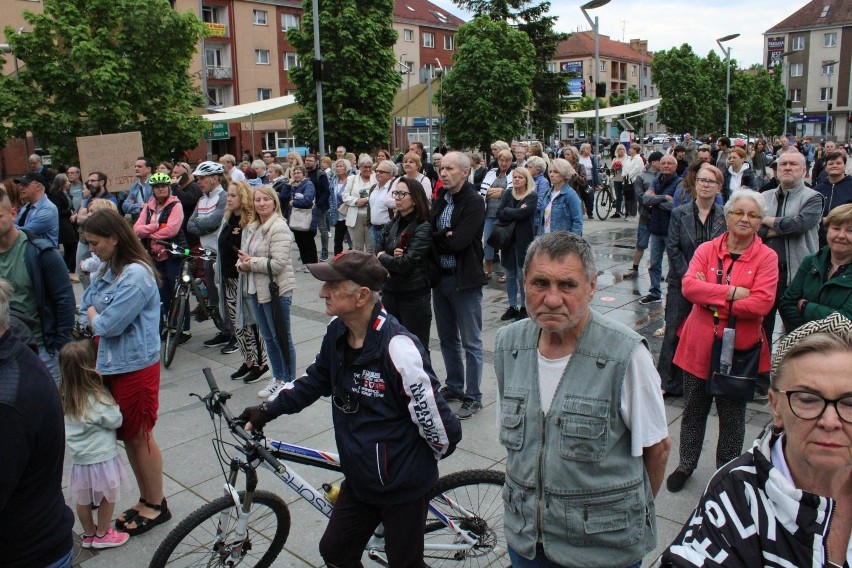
(733, 372)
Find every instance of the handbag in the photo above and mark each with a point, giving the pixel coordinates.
(300, 219)
(343, 210)
(501, 235)
(739, 379)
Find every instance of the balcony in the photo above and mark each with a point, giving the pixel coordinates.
(222, 73)
(217, 30)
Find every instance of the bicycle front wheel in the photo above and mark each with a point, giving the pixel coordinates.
(603, 204)
(174, 326)
(473, 500)
(194, 541)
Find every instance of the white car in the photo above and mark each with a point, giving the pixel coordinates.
(661, 139)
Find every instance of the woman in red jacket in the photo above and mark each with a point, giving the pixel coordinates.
(734, 273)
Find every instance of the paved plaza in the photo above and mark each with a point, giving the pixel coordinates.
(193, 475)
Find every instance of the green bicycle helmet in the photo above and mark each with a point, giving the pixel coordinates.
(159, 178)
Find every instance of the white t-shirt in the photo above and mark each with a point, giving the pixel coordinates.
(641, 406)
(237, 174)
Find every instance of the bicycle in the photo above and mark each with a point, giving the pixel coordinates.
(185, 285)
(604, 198)
(464, 526)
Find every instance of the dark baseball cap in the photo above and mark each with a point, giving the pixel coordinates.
(359, 267)
(655, 157)
(29, 178)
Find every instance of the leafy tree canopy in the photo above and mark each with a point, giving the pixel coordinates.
(356, 45)
(483, 102)
(530, 18)
(102, 67)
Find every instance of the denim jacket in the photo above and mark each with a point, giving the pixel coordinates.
(128, 320)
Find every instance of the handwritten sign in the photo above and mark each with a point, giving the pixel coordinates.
(113, 154)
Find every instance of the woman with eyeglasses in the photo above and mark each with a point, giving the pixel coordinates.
(788, 500)
(404, 247)
(357, 197)
(691, 225)
(734, 274)
(823, 283)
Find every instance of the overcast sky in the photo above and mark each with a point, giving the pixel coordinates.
(669, 23)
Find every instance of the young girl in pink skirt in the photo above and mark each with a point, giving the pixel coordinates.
(91, 416)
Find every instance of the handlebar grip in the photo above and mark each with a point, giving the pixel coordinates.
(211, 381)
(164, 243)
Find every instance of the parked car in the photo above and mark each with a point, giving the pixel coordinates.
(661, 138)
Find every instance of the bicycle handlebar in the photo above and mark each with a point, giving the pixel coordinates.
(218, 399)
(173, 248)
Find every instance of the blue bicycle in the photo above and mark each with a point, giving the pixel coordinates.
(464, 526)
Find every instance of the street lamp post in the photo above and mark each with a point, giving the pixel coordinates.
(727, 53)
(829, 70)
(591, 6)
(318, 76)
(441, 103)
(785, 71)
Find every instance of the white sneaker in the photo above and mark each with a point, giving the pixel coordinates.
(279, 386)
(270, 388)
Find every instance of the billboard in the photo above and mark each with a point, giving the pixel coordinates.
(575, 84)
(774, 49)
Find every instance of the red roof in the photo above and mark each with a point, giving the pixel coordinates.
(582, 44)
(839, 13)
(424, 13)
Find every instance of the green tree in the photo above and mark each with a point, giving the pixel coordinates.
(102, 67)
(758, 106)
(587, 125)
(356, 44)
(687, 90)
(532, 18)
(485, 102)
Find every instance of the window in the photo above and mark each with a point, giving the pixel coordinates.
(259, 17)
(291, 59)
(552, 67)
(212, 14)
(828, 69)
(796, 95)
(407, 35)
(261, 56)
(428, 39)
(603, 65)
(830, 39)
(289, 21)
(264, 94)
(632, 70)
(826, 93)
(449, 42)
(275, 141)
(409, 67)
(796, 69)
(219, 96)
(798, 43)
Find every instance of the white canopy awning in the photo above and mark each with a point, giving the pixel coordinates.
(613, 111)
(258, 111)
(225, 117)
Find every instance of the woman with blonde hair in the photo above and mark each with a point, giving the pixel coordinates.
(233, 302)
(411, 164)
(265, 254)
(518, 206)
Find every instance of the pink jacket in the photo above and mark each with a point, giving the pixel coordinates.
(757, 270)
(155, 230)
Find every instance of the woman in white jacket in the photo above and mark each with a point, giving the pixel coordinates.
(357, 197)
(631, 166)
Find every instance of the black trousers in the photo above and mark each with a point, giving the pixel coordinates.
(413, 310)
(340, 233)
(307, 246)
(352, 524)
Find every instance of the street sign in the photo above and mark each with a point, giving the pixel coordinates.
(217, 131)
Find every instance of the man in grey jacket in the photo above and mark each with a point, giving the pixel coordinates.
(790, 226)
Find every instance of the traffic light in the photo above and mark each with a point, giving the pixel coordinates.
(582, 87)
(600, 90)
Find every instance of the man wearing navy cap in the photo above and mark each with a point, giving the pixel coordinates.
(38, 215)
(391, 423)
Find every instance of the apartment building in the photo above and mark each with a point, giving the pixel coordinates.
(247, 58)
(813, 46)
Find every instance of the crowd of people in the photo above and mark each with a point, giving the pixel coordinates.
(744, 234)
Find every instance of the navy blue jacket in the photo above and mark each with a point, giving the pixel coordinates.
(401, 426)
(54, 296)
(661, 208)
(320, 181)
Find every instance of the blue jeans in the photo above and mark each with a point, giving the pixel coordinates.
(658, 249)
(458, 317)
(514, 283)
(375, 235)
(51, 362)
(64, 562)
(266, 325)
(82, 254)
(486, 232)
(542, 561)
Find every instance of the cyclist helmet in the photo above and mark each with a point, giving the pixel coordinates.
(159, 178)
(208, 169)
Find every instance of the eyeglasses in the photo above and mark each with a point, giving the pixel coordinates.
(752, 215)
(707, 181)
(387, 173)
(400, 194)
(810, 406)
(348, 404)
